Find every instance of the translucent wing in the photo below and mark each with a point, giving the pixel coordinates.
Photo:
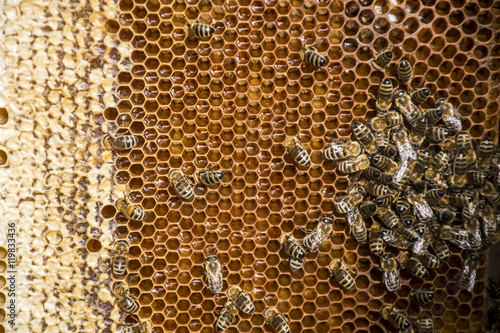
(406, 150)
(424, 211)
(472, 280)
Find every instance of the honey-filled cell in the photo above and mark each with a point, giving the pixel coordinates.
(229, 101)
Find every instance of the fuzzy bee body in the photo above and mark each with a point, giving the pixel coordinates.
(425, 324)
(485, 154)
(408, 232)
(340, 150)
(241, 299)
(376, 241)
(384, 98)
(409, 110)
(142, 327)
(476, 178)
(395, 239)
(417, 133)
(405, 148)
(377, 189)
(120, 259)
(441, 249)
(319, 235)
(438, 134)
(355, 164)
(390, 276)
(450, 117)
(207, 177)
(125, 302)
(438, 163)
(358, 226)
(430, 261)
(213, 274)
(341, 274)
(421, 165)
(381, 60)
(130, 211)
(433, 115)
(227, 317)
(372, 173)
(181, 184)
(276, 320)
(295, 251)
(396, 318)
(311, 56)
(122, 142)
(388, 217)
(422, 296)
(368, 208)
(459, 177)
(298, 152)
(420, 96)
(384, 163)
(464, 143)
(467, 274)
(405, 72)
(387, 199)
(389, 151)
(389, 119)
(200, 30)
(414, 266)
(365, 136)
(347, 203)
(491, 194)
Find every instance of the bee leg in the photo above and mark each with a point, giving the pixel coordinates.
(308, 231)
(351, 270)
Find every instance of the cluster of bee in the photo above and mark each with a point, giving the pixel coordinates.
(421, 183)
(238, 300)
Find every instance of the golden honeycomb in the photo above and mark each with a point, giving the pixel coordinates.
(231, 100)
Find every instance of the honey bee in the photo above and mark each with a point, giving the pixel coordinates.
(294, 250)
(120, 142)
(395, 239)
(227, 317)
(441, 249)
(476, 178)
(422, 296)
(357, 226)
(347, 203)
(464, 143)
(420, 96)
(388, 150)
(459, 199)
(384, 97)
(200, 30)
(436, 196)
(413, 265)
(403, 174)
(396, 318)
(409, 110)
(125, 302)
(142, 327)
(384, 163)
(376, 241)
(467, 274)
(341, 273)
(298, 152)
(368, 208)
(120, 259)
(342, 149)
(438, 163)
(207, 177)
(438, 134)
(405, 72)
(181, 183)
(417, 133)
(408, 232)
(130, 211)
(430, 261)
(484, 154)
(213, 274)
(241, 299)
(387, 200)
(365, 136)
(402, 204)
(489, 191)
(405, 148)
(372, 173)
(390, 276)
(421, 244)
(377, 189)
(459, 176)
(451, 117)
(276, 320)
(425, 324)
(387, 120)
(457, 236)
(474, 228)
(388, 217)
(382, 59)
(433, 115)
(319, 235)
(311, 56)
(355, 164)
(422, 209)
(386, 179)
(489, 221)
(408, 218)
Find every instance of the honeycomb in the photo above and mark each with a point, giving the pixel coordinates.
(231, 100)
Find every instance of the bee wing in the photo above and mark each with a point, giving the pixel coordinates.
(472, 280)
